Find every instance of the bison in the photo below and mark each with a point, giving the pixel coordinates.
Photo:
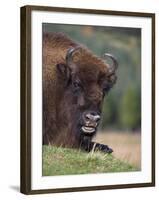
(75, 82)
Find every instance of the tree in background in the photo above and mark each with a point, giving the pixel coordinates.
(130, 109)
(109, 112)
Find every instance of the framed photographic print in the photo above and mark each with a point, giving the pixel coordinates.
(87, 99)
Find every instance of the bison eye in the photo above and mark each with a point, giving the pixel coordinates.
(76, 86)
(106, 88)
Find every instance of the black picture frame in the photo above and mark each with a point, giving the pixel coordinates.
(25, 182)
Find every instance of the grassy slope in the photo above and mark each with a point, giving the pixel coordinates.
(62, 161)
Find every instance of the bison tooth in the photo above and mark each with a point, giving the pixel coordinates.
(87, 129)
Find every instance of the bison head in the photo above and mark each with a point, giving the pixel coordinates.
(86, 81)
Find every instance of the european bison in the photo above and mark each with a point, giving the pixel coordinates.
(75, 82)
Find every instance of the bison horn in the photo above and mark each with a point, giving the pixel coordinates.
(71, 54)
(112, 68)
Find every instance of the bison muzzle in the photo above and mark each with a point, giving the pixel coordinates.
(75, 82)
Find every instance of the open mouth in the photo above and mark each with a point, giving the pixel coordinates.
(87, 129)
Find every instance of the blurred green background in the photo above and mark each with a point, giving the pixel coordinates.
(122, 106)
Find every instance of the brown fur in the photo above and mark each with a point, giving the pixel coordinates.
(60, 110)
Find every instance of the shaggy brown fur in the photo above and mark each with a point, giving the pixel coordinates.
(63, 106)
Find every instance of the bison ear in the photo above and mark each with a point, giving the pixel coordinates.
(63, 70)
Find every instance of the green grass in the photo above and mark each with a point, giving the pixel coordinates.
(65, 161)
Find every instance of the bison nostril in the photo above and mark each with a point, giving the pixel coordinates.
(96, 118)
(88, 116)
(92, 117)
